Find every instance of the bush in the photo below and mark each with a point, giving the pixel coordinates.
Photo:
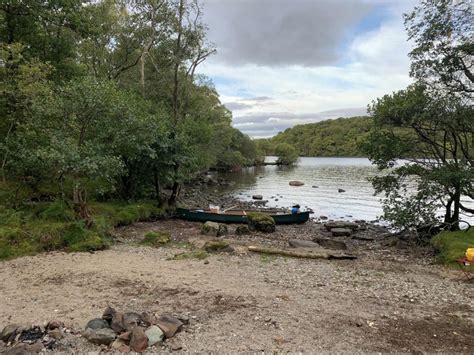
(58, 211)
(287, 154)
(261, 222)
(452, 245)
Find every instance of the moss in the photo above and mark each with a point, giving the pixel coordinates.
(156, 239)
(195, 254)
(452, 245)
(261, 222)
(217, 246)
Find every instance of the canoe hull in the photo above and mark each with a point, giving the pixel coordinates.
(199, 216)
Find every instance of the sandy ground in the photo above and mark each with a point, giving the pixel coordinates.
(387, 300)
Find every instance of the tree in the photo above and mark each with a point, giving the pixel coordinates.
(435, 116)
(286, 153)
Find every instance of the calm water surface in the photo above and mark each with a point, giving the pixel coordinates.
(322, 178)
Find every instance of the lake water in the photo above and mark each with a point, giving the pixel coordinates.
(322, 178)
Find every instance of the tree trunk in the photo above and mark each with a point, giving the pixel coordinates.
(447, 215)
(157, 187)
(80, 205)
(457, 203)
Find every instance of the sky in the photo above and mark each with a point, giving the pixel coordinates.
(285, 62)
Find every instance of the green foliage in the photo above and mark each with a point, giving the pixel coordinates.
(340, 137)
(286, 153)
(195, 254)
(156, 239)
(58, 211)
(261, 222)
(452, 245)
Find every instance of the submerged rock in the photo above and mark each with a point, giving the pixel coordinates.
(257, 197)
(296, 183)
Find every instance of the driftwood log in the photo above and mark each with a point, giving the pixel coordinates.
(301, 254)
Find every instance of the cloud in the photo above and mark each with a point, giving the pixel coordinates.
(236, 106)
(269, 124)
(281, 32)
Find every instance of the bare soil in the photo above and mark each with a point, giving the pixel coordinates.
(388, 300)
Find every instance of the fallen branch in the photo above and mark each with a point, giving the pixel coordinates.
(299, 254)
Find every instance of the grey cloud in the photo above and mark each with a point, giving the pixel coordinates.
(269, 124)
(235, 106)
(281, 32)
(260, 99)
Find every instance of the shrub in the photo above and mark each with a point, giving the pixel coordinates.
(58, 211)
(452, 245)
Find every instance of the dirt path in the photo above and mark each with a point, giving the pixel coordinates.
(383, 301)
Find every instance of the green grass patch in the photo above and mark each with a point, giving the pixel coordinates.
(156, 239)
(452, 245)
(48, 226)
(194, 254)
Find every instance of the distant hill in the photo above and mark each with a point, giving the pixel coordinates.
(339, 137)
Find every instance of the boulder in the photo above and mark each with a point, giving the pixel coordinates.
(223, 230)
(210, 228)
(9, 332)
(341, 232)
(216, 246)
(170, 325)
(242, 230)
(330, 243)
(97, 323)
(138, 340)
(261, 222)
(154, 335)
(341, 190)
(341, 224)
(296, 183)
(257, 197)
(103, 336)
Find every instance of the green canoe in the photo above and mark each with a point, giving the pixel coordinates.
(238, 216)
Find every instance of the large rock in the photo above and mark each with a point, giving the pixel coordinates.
(341, 224)
(257, 197)
(103, 336)
(213, 229)
(296, 183)
(330, 243)
(170, 325)
(155, 335)
(97, 323)
(242, 230)
(138, 340)
(341, 232)
(9, 332)
(261, 222)
(216, 246)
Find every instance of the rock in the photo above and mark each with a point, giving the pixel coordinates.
(217, 246)
(9, 332)
(103, 336)
(183, 318)
(341, 190)
(109, 314)
(19, 349)
(56, 334)
(315, 187)
(138, 340)
(206, 262)
(148, 318)
(35, 348)
(340, 232)
(131, 320)
(261, 222)
(296, 183)
(323, 217)
(54, 324)
(257, 197)
(125, 336)
(341, 224)
(120, 345)
(210, 228)
(298, 243)
(223, 230)
(3, 346)
(242, 230)
(363, 237)
(117, 323)
(330, 243)
(170, 325)
(97, 323)
(155, 335)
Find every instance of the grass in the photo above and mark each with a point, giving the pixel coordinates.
(452, 245)
(38, 227)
